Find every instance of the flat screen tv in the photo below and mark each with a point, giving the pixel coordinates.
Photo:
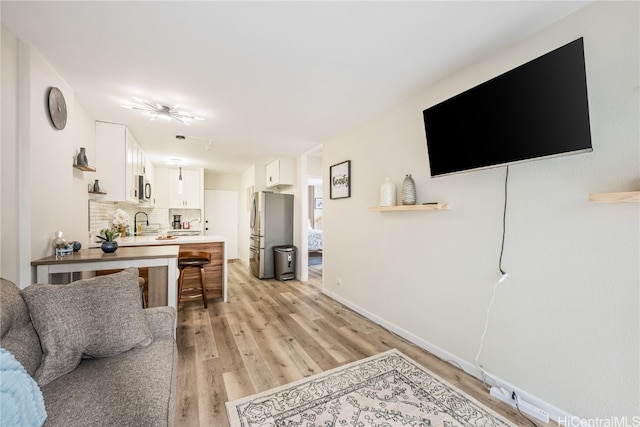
(539, 109)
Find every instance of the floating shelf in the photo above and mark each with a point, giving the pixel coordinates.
(405, 208)
(622, 197)
(84, 168)
(101, 193)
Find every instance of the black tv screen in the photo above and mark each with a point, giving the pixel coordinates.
(538, 109)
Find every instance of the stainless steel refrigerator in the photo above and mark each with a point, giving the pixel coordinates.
(271, 225)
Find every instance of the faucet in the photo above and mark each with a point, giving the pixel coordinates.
(135, 221)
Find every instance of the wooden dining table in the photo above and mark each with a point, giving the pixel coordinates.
(162, 262)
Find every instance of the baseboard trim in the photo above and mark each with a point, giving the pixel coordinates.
(555, 414)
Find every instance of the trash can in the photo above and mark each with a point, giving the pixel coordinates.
(285, 262)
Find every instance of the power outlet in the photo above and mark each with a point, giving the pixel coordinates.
(525, 407)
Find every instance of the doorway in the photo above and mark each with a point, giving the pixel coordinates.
(315, 218)
(221, 218)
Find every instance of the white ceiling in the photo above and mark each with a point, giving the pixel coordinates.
(272, 79)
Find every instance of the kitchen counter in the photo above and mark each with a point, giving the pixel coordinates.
(154, 241)
(216, 270)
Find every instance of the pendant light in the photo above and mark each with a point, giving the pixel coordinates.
(180, 183)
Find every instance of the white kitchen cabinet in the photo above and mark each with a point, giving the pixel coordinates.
(160, 187)
(142, 162)
(193, 187)
(279, 173)
(116, 162)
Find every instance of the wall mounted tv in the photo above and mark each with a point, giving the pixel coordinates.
(539, 109)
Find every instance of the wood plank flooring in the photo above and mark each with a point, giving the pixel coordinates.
(270, 333)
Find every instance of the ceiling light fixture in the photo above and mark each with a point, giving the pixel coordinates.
(180, 183)
(162, 111)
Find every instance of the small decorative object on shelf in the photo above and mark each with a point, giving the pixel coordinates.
(81, 158)
(109, 245)
(388, 193)
(96, 187)
(408, 191)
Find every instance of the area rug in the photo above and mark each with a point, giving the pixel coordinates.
(317, 260)
(388, 389)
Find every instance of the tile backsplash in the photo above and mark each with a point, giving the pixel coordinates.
(101, 215)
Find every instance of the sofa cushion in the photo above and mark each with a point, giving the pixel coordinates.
(98, 317)
(134, 388)
(16, 331)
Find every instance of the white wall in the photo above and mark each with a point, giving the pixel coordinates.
(51, 194)
(565, 325)
(9, 212)
(213, 181)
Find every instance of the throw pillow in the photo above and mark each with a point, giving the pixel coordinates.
(98, 317)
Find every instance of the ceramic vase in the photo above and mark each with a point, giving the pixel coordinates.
(81, 159)
(109, 247)
(96, 187)
(408, 191)
(388, 193)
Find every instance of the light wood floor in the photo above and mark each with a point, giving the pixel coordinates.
(270, 333)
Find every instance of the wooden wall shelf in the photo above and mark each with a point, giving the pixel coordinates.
(622, 197)
(84, 168)
(407, 208)
(100, 193)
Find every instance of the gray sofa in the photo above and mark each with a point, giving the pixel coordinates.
(98, 358)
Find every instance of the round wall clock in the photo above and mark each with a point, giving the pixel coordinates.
(57, 108)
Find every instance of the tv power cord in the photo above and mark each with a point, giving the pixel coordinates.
(502, 278)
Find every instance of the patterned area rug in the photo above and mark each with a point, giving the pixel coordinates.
(389, 389)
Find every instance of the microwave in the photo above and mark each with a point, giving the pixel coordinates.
(144, 189)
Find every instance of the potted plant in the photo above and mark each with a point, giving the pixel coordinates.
(109, 243)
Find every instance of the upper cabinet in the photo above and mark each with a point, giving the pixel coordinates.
(279, 173)
(161, 187)
(191, 196)
(117, 161)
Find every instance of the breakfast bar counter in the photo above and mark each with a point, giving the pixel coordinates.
(162, 262)
(215, 271)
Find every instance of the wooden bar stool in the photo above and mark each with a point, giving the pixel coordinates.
(193, 259)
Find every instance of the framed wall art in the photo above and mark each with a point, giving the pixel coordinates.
(340, 180)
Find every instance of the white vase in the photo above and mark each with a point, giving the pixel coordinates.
(388, 193)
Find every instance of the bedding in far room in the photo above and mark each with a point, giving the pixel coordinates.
(315, 240)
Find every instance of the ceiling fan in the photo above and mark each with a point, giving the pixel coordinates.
(162, 111)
